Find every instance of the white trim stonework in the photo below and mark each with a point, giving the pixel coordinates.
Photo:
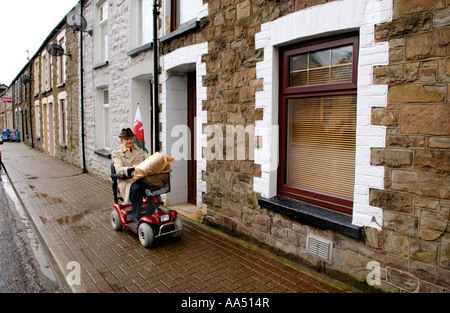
(176, 59)
(322, 20)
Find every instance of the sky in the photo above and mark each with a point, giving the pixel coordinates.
(24, 25)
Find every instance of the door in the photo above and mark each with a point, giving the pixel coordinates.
(51, 129)
(192, 162)
(45, 128)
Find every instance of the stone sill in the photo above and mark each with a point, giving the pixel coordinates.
(103, 153)
(180, 31)
(46, 91)
(99, 65)
(134, 52)
(313, 215)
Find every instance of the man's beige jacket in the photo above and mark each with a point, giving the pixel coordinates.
(124, 159)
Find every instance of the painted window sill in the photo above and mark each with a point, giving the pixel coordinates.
(181, 31)
(313, 215)
(103, 153)
(136, 51)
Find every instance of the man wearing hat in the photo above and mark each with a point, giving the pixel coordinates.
(126, 158)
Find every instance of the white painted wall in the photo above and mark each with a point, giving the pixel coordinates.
(127, 78)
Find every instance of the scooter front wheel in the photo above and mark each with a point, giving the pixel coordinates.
(146, 235)
(179, 227)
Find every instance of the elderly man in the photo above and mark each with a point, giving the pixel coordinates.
(126, 158)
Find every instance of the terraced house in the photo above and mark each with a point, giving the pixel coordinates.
(118, 75)
(348, 102)
(45, 104)
(55, 99)
(320, 129)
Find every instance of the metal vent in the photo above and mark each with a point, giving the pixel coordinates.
(319, 247)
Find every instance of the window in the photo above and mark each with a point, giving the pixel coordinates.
(183, 12)
(318, 122)
(145, 21)
(49, 75)
(62, 122)
(103, 27)
(36, 76)
(44, 73)
(61, 64)
(37, 114)
(105, 106)
(47, 64)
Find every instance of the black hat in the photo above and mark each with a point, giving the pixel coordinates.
(126, 133)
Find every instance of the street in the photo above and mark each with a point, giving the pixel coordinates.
(24, 266)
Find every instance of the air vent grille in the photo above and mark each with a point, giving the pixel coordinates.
(319, 247)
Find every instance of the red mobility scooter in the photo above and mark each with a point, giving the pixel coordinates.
(155, 219)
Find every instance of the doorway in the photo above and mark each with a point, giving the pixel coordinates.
(51, 129)
(141, 94)
(180, 140)
(45, 124)
(192, 114)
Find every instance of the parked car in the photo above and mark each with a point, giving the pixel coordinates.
(5, 134)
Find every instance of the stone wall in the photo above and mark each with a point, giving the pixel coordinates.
(409, 237)
(70, 153)
(416, 197)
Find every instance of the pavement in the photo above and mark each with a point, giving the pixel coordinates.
(70, 211)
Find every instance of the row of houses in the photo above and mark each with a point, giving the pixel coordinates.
(320, 129)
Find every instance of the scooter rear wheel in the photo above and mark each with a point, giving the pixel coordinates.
(115, 221)
(146, 235)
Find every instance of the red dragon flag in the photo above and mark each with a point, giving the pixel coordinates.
(138, 130)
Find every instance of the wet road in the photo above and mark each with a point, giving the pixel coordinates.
(24, 267)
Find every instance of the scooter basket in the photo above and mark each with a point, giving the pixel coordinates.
(158, 183)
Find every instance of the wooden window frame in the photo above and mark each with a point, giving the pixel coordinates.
(173, 17)
(336, 203)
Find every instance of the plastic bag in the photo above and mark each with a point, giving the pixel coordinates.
(157, 163)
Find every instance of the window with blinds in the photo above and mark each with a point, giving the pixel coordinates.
(322, 67)
(318, 123)
(321, 144)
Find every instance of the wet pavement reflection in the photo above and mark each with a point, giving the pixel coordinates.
(23, 263)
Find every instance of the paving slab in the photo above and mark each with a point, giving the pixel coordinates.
(71, 210)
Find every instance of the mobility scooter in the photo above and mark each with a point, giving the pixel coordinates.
(155, 220)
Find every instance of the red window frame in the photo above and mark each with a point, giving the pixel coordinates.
(174, 15)
(336, 203)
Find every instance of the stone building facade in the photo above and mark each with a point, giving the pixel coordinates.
(118, 67)
(45, 98)
(395, 233)
(239, 101)
(19, 112)
(55, 90)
